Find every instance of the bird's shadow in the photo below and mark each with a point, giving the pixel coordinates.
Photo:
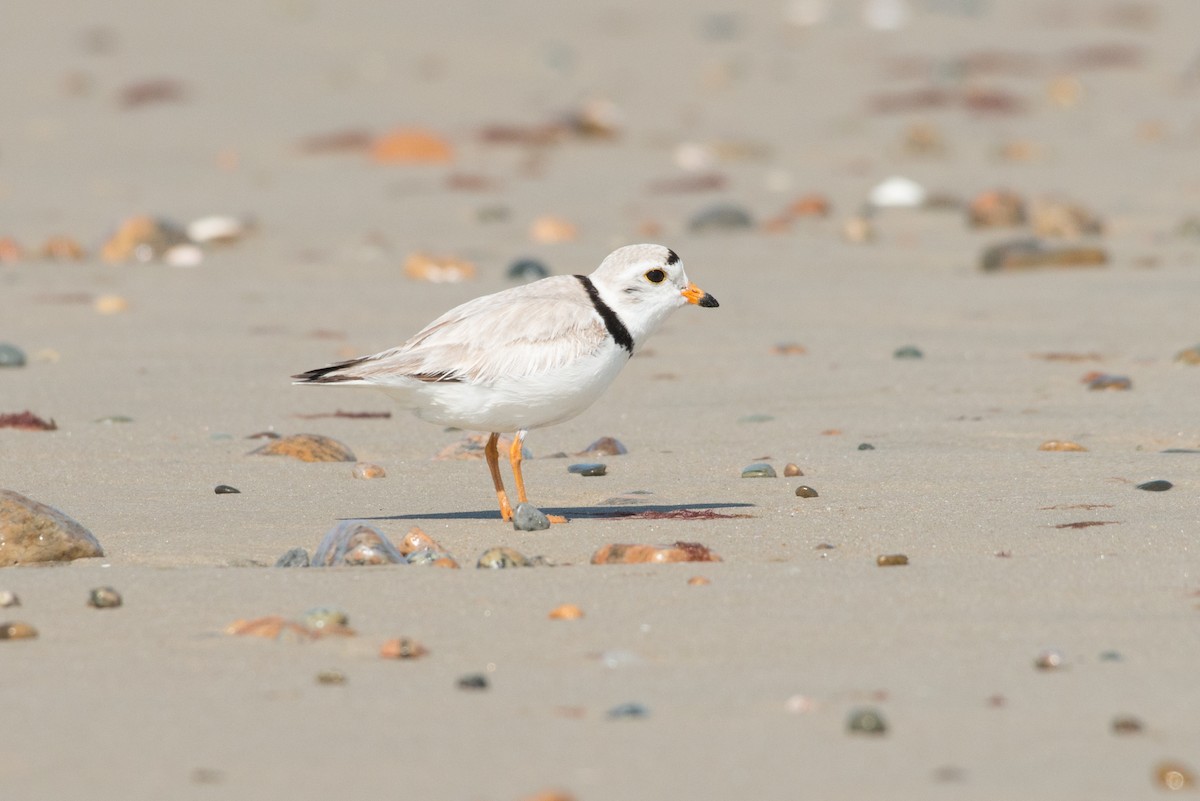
(634, 511)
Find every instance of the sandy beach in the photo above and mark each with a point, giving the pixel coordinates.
(1043, 637)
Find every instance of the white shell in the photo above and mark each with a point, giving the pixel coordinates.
(215, 228)
(184, 256)
(898, 193)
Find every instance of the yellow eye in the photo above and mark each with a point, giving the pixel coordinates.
(656, 276)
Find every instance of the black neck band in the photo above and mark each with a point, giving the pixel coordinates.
(612, 322)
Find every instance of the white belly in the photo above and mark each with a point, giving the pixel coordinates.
(514, 404)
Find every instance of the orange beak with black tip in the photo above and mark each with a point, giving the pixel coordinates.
(698, 296)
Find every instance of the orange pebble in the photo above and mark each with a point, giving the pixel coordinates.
(566, 612)
(411, 146)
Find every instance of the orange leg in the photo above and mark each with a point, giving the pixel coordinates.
(492, 453)
(514, 458)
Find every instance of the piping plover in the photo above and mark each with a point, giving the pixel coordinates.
(530, 356)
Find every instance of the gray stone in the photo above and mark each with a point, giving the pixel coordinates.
(33, 532)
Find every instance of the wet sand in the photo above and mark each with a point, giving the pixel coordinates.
(747, 681)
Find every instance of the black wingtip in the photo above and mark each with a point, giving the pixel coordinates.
(322, 374)
(708, 301)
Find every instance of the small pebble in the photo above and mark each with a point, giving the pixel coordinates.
(432, 558)
(110, 304)
(1174, 776)
(891, 560)
(113, 419)
(588, 469)
(403, 648)
(438, 269)
(17, 631)
(333, 677)
(473, 681)
(756, 418)
(1110, 656)
(527, 517)
(1050, 659)
(527, 270)
(1025, 254)
(325, 619)
(908, 352)
(1155, 486)
(699, 581)
(858, 230)
(866, 446)
(566, 612)
(866, 721)
(11, 355)
(805, 491)
(367, 470)
(996, 208)
(1126, 724)
(897, 193)
(623, 554)
(104, 598)
(629, 711)
(720, 217)
(605, 446)
(1105, 381)
(790, 470)
(225, 489)
(549, 229)
(9, 598)
(502, 557)
(216, 229)
(758, 470)
(296, 557)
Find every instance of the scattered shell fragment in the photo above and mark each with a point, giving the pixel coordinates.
(1186, 356)
(502, 557)
(1157, 485)
(186, 255)
(104, 598)
(588, 469)
(622, 554)
(891, 560)
(436, 269)
(332, 677)
(110, 304)
(996, 208)
(62, 248)
(1049, 659)
(527, 517)
(1025, 254)
(11, 251)
(1104, 381)
(417, 540)
(788, 349)
(307, 448)
(699, 581)
(403, 648)
(411, 146)
(225, 489)
(353, 542)
(272, 627)
(908, 352)
(566, 612)
(858, 230)
(471, 447)
(605, 446)
(805, 491)
(33, 532)
(757, 417)
(1052, 217)
(720, 217)
(549, 229)
(15, 630)
(9, 598)
(473, 681)
(142, 238)
(1060, 445)
(791, 470)
(758, 470)
(866, 721)
(367, 470)
(11, 355)
(1174, 776)
(26, 421)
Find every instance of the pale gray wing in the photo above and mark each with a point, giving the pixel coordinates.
(515, 333)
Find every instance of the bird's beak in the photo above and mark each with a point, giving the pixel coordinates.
(695, 294)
